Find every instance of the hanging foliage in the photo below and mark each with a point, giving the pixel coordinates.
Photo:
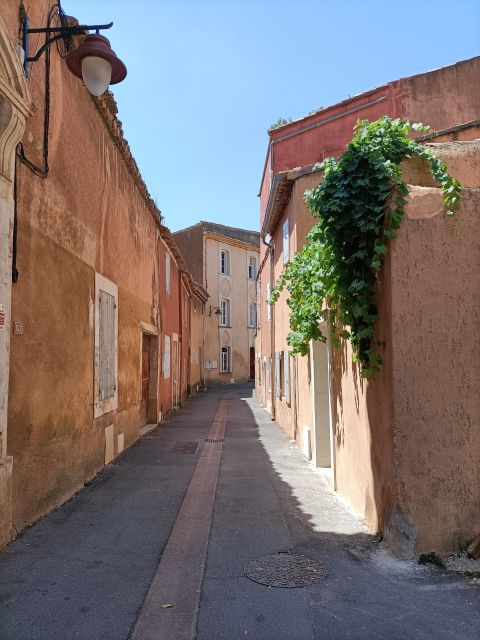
(359, 205)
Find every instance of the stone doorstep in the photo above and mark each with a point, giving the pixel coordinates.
(147, 429)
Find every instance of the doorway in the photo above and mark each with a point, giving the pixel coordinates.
(252, 363)
(149, 379)
(175, 372)
(145, 377)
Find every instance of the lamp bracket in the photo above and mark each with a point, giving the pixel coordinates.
(57, 33)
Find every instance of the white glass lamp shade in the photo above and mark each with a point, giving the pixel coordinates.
(96, 74)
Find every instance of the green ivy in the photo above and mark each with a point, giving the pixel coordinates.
(360, 205)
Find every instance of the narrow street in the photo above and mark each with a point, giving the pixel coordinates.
(174, 521)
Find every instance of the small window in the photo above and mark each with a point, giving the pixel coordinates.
(225, 313)
(225, 262)
(286, 242)
(268, 303)
(167, 273)
(225, 364)
(252, 314)
(252, 268)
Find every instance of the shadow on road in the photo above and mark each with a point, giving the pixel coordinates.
(84, 570)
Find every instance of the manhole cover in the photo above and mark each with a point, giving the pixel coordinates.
(185, 447)
(285, 569)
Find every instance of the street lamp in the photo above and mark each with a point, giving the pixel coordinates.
(93, 60)
(96, 63)
(215, 311)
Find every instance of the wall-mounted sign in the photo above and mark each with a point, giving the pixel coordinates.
(210, 364)
(2, 317)
(18, 328)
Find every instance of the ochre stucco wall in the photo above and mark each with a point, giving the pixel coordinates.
(436, 316)
(241, 291)
(88, 216)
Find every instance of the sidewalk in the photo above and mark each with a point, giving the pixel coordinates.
(84, 571)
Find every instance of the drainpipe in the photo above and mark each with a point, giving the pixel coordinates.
(271, 248)
(293, 393)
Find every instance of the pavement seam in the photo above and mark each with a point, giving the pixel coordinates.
(179, 576)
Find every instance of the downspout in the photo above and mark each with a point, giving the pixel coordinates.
(294, 359)
(271, 248)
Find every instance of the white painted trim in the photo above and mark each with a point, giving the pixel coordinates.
(109, 404)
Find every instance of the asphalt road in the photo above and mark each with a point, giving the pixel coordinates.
(84, 571)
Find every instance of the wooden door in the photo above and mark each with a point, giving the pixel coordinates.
(252, 363)
(145, 376)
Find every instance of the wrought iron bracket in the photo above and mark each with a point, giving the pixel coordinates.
(55, 33)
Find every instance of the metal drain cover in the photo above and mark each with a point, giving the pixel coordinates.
(285, 569)
(185, 447)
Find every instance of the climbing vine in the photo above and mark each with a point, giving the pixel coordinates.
(359, 205)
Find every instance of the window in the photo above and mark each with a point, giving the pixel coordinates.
(225, 364)
(252, 268)
(225, 262)
(225, 313)
(252, 314)
(268, 303)
(286, 242)
(166, 358)
(106, 346)
(167, 273)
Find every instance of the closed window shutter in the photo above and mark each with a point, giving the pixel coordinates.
(278, 374)
(286, 242)
(286, 376)
(252, 308)
(252, 268)
(167, 274)
(166, 358)
(106, 345)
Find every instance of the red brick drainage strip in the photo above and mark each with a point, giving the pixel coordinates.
(171, 606)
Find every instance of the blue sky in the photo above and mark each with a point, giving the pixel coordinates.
(206, 80)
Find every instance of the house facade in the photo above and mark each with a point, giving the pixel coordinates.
(356, 431)
(225, 260)
(95, 297)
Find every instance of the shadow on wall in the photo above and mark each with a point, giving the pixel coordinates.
(362, 415)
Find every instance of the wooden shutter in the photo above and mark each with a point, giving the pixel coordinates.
(286, 376)
(167, 274)
(252, 310)
(107, 382)
(286, 241)
(278, 381)
(166, 358)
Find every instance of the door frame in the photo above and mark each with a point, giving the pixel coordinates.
(153, 406)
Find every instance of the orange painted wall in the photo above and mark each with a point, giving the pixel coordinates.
(88, 216)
